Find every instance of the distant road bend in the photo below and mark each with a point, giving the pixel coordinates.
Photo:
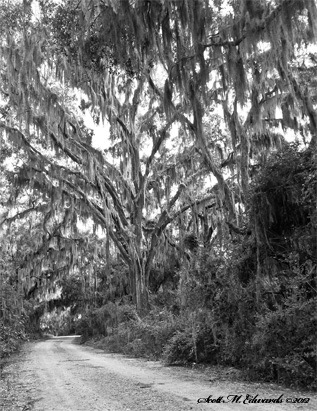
(59, 374)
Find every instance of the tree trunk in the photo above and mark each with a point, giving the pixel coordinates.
(140, 290)
(305, 99)
(139, 286)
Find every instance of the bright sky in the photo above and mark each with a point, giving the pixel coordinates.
(101, 138)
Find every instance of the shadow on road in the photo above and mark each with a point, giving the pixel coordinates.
(75, 339)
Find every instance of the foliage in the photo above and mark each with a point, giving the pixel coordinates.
(287, 266)
(284, 341)
(17, 324)
(11, 336)
(19, 318)
(194, 340)
(72, 293)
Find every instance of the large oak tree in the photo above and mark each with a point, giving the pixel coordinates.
(145, 66)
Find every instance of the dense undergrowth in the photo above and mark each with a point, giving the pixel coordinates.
(276, 345)
(18, 323)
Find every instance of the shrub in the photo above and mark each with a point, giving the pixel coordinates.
(285, 342)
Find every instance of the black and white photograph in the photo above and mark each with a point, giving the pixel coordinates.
(158, 213)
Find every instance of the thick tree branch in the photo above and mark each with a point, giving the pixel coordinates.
(157, 145)
(24, 213)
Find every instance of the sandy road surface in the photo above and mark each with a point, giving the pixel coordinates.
(58, 374)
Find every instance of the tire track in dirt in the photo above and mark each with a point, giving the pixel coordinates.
(60, 375)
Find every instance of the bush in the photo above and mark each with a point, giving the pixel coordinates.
(16, 322)
(285, 342)
(193, 343)
(181, 349)
(146, 337)
(11, 335)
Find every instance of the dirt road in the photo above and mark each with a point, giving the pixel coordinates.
(59, 374)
